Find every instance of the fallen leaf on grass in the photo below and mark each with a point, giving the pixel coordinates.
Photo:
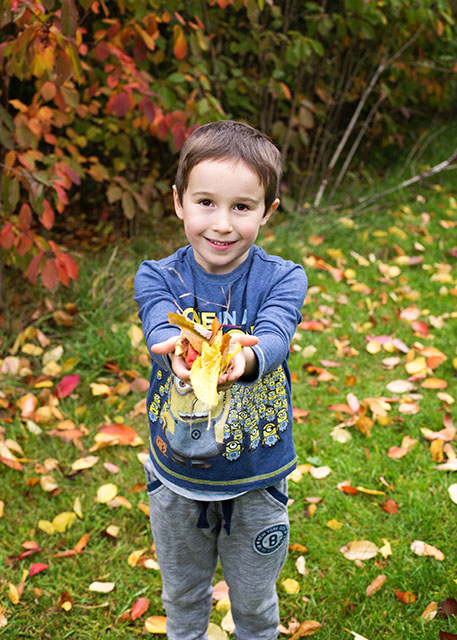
(220, 590)
(430, 612)
(334, 525)
(405, 596)
(133, 558)
(357, 636)
(291, 586)
(156, 624)
(423, 549)
(376, 585)
(84, 463)
(407, 444)
(359, 550)
(215, 632)
(101, 587)
(306, 628)
(37, 567)
(445, 635)
(139, 607)
(447, 608)
(452, 490)
(65, 601)
(390, 506)
(67, 385)
(106, 493)
(319, 473)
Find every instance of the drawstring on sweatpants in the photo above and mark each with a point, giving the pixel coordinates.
(227, 510)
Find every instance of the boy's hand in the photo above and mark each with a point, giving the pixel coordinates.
(178, 364)
(243, 364)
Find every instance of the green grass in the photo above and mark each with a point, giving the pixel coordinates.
(333, 589)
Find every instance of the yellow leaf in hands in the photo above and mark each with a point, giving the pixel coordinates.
(204, 374)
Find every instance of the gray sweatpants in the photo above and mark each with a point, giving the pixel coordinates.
(190, 536)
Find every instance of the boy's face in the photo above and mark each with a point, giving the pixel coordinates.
(223, 208)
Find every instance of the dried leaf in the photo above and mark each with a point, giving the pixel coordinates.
(84, 463)
(430, 611)
(220, 590)
(102, 587)
(215, 632)
(359, 550)
(447, 608)
(306, 628)
(318, 473)
(390, 506)
(376, 585)
(133, 558)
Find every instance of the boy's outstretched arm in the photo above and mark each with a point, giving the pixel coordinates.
(243, 364)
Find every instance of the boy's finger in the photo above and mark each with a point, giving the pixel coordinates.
(245, 340)
(167, 346)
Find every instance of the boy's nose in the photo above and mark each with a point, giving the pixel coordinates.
(223, 222)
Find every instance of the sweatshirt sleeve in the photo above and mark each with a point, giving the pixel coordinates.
(155, 300)
(278, 317)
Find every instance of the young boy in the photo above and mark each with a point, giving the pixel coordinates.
(217, 483)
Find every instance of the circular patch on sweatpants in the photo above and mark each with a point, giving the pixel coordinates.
(270, 539)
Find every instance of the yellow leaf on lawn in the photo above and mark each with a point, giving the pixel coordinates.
(46, 526)
(156, 624)
(298, 473)
(371, 492)
(133, 558)
(417, 367)
(13, 593)
(227, 623)
(374, 347)
(106, 493)
(386, 549)
(77, 508)
(215, 632)
(291, 586)
(421, 548)
(100, 389)
(63, 521)
(334, 525)
(2, 508)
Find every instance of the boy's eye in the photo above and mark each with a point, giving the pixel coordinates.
(241, 207)
(205, 203)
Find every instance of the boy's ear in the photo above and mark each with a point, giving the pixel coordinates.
(268, 213)
(177, 203)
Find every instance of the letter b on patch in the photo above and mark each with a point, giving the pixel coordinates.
(270, 539)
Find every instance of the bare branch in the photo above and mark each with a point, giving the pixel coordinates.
(369, 88)
(446, 165)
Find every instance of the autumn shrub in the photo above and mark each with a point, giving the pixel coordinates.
(97, 97)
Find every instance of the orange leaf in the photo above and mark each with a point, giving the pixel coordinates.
(121, 432)
(47, 219)
(79, 546)
(405, 596)
(156, 624)
(180, 46)
(434, 383)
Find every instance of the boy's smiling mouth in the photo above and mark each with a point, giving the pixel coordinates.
(220, 243)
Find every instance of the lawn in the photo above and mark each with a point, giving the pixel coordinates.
(375, 369)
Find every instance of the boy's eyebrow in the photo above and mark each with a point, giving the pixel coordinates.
(210, 194)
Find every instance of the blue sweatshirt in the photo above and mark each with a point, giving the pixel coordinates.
(246, 443)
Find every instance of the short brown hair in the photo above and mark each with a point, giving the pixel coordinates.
(228, 139)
